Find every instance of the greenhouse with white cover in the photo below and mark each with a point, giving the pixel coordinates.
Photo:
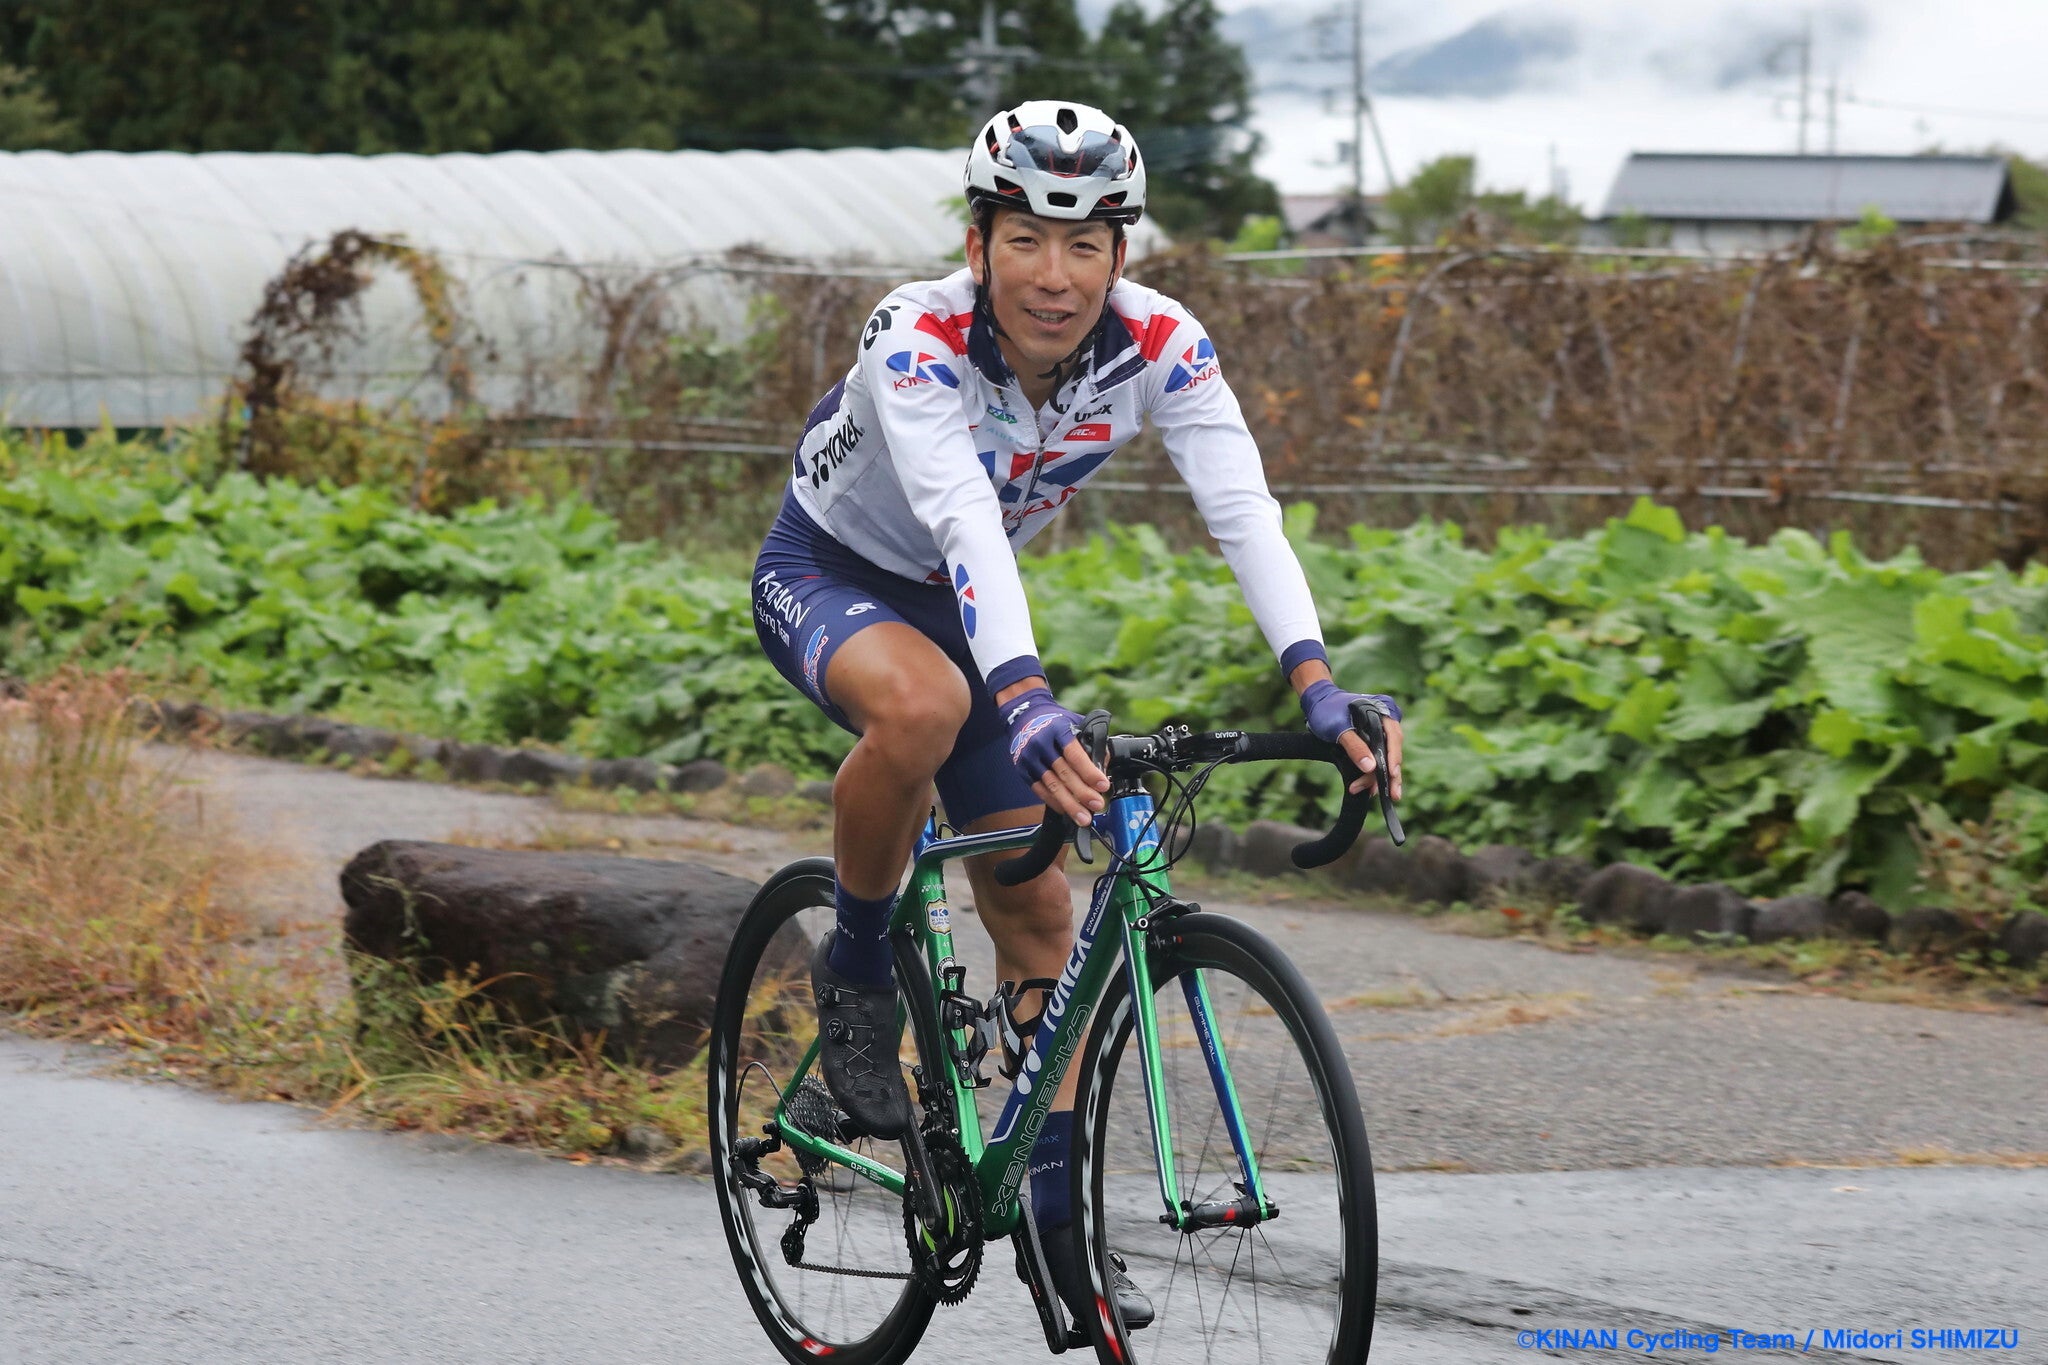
(128, 282)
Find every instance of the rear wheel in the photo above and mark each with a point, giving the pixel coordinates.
(831, 1273)
(1298, 1287)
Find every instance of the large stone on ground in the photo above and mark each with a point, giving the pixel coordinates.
(1213, 845)
(473, 762)
(360, 742)
(629, 947)
(1560, 880)
(1266, 848)
(818, 791)
(767, 779)
(1706, 911)
(1626, 895)
(1929, 929)
(634, 774)
(1852, 914)
(1790, 917)
(1502, 868)
(698, 775)
(2025, 938)
(1380, 869)
(1437, 873)
(542, 769)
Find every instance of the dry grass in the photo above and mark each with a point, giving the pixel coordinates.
(1928, 1155)
(111, 910)
(120, 925)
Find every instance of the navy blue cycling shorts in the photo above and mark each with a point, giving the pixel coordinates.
(812, 595)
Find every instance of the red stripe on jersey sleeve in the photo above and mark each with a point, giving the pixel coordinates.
(946, 330)
(1151, 335)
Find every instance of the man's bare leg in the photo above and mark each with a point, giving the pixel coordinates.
(909, 702)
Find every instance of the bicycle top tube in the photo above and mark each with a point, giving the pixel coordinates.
(931, 850)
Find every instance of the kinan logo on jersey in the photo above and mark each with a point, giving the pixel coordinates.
(918, 368)
(1197, 365)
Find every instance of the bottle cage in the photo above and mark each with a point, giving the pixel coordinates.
(1006, 1029)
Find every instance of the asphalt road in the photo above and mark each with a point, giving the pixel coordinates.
(148, 1223)
(1625, 1127)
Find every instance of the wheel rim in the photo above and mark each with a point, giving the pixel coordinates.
(1265, 1293)
(859, 1225)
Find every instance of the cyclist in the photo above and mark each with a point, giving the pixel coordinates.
(887, 590)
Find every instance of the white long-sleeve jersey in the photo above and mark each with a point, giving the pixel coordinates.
(928, 461)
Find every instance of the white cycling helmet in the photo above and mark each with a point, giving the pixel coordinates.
(1057, 159)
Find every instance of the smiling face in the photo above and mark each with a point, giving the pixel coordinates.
(1049, 280)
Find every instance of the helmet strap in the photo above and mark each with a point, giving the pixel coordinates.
(984, 303)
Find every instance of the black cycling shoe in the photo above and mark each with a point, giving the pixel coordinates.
(857, 1040)
(1072, 1282)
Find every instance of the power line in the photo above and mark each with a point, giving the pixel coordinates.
(1946, 111)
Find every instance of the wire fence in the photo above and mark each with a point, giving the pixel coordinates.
(1896, 391)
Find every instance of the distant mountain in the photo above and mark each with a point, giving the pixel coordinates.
(1709, 46)
(1496, 56)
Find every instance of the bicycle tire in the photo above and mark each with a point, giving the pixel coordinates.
(1264, 1009)
(766, 975)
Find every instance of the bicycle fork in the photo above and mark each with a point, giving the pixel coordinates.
(1137, 844)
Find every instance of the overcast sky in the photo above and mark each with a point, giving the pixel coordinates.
(1591, 80)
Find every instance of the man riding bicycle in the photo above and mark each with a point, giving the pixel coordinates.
(887, 590)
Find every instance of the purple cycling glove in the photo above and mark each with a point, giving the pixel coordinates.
(1328, 708)
(1039, 730)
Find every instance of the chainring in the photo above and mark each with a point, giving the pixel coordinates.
(946, 1262)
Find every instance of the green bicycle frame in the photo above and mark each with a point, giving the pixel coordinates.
(1133, 882)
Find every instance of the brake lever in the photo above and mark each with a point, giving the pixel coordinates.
(1371, 722)
(1095, 736)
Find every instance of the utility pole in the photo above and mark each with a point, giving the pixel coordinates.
(981, 63)
(1358, 107)
(1834, 102)
(1805, 75)
(1362, 112)
(1352, 154)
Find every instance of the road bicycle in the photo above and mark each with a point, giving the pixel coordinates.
(1219, 1156)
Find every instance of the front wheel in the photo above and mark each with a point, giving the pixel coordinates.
(1297, 1287)
(828, 1271)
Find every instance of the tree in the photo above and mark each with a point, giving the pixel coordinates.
(2030, 187)
(1444, 193)
(498, 75)
(1185, 93)
(1436, 196)
(28, 117)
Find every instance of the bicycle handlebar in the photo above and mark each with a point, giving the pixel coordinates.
(1174, 749)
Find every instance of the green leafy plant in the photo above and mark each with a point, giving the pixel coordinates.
(1760, 714)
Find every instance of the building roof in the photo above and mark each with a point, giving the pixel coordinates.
(1812, 189)
(127, 280)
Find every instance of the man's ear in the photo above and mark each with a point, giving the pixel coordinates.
(974, 256)
(1123, 246)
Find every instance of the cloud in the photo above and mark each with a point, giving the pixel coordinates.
(1500, 54)
(1743, 48)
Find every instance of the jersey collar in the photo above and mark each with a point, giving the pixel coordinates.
(1107, 364)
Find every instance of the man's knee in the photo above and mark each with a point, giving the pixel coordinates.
(901, 691)
(1042, 909)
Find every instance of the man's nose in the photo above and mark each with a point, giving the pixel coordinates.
(1052, 275)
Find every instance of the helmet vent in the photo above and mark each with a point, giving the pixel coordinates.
(1060, 199)
(1008, 186)
(1112, 201)
(1067, 120)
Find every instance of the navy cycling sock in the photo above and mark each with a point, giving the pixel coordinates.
(860, 950)
(1052, 1206)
